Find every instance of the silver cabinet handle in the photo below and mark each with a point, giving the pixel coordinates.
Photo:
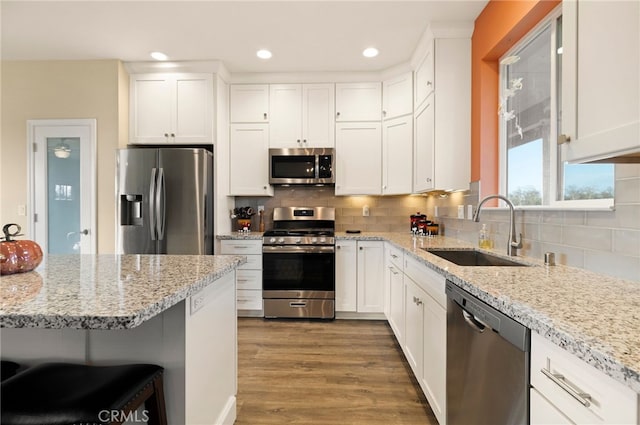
(394, 255)
(240, 246)
(564, 138)
(298, 141)
(338, 246)
(429, 179)
(429, 83)
(418, 301)
(265, 115)
(304, 140)
(337, 114)
(361, 248)
(392, 270)
(558, 379)
(173, 135)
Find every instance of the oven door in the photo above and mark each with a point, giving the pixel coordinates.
(298, 272)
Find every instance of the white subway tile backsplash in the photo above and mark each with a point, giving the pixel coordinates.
(551, 233)
(567, 255)
(627, 170)
(622, 266)
(626, 242)
(628, 191)
(587, 237)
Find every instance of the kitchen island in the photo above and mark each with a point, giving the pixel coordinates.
(175, 311)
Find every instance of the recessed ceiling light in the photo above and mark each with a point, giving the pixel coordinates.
(159, 56)
(263, 54)
(370, 52)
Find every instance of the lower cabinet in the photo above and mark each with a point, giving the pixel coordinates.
(249, 275)
(425, 332)
(566, 389)
(359, 276)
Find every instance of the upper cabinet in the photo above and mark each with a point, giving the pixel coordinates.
(600, 80)
(397, 96)
(302, 115)
(358, 158)
(171, 108)
(397, 155)
(424, 76)
(249, 160)
(442, 120)
(358, 102)
(249, 103)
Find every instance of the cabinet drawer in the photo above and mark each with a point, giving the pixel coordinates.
(254, 262)
(249, 279)
(608, 400)
(430, 281)
(395, 256)
(243, 247)
(249, 299)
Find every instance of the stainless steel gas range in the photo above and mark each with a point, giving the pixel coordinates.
(298, 264)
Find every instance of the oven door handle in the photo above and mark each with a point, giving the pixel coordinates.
(296, 249)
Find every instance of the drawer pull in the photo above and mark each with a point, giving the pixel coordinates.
(240, 247)
(558, 379)
(243, 280)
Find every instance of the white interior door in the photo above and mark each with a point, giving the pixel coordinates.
(62, 185)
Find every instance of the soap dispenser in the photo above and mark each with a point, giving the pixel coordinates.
(484, 239)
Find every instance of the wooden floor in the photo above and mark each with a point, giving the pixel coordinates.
(338, 372)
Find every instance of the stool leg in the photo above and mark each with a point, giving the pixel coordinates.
(155, 404)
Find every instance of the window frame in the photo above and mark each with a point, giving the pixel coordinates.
(555, 158)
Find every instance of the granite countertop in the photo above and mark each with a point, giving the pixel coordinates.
(241, 236)
(105, 291)
(593, 316)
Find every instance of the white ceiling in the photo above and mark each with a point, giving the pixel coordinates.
(303, 35)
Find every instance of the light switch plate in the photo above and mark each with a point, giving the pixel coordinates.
(470, 212)
(461, 212)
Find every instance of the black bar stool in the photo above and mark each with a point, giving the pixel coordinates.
(8, 369)
(63, 393)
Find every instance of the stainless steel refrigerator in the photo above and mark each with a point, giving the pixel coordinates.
(165, 200)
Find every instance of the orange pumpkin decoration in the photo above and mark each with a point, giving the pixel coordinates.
(18, 256)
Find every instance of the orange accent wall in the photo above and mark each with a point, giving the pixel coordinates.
(498, 27)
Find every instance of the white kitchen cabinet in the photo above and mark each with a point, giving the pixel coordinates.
(370, 277)
(426, 332)
(397, 155)
(543, 412)
(359, 276)
(302, 115)
(357, 102)
(597, 399)
(423, 148)
(249, 160)
(397, 96)
(248, 275)
(171, 108)
(358, 158)
(600, 79)
(249, 103)
(442, 126)
(424, 76)
(394, 289)
(346, 276)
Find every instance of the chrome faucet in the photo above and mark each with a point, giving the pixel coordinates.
(514, 243)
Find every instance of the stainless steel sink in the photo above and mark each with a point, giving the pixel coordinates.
(471, 257)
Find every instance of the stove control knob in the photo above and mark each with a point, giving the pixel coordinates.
(314, 240)
(281, 240)
(299, 240)
(323, 240)
(272, 240)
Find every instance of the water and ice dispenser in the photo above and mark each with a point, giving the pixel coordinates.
(131, 210)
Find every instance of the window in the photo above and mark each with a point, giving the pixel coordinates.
(532, 170)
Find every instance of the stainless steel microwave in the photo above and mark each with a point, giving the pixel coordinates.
(312, 166)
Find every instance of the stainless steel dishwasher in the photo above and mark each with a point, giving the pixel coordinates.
(487, 363)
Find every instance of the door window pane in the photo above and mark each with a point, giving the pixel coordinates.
(63, 188)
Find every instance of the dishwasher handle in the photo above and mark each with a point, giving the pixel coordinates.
(473, 322)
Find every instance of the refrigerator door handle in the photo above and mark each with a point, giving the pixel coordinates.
(152, 204)
(160, 204)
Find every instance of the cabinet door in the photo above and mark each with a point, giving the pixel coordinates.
(396, 302)
(423, 152)
(285, 107)
(424, 77)
(414, 321)
(249, 103)
(434, 354)
(346, 276)
(358, 102)
(397, 96)
(397, 156)
(370, 277)
(318, 112)
(151, 111)
(358, 159)
(600, 79)
(249, 156)
(193, 117)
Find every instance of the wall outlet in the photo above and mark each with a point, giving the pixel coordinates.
(22, 210)
(260, 208)
(365, 211)
(470, 212)
(461, 212)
